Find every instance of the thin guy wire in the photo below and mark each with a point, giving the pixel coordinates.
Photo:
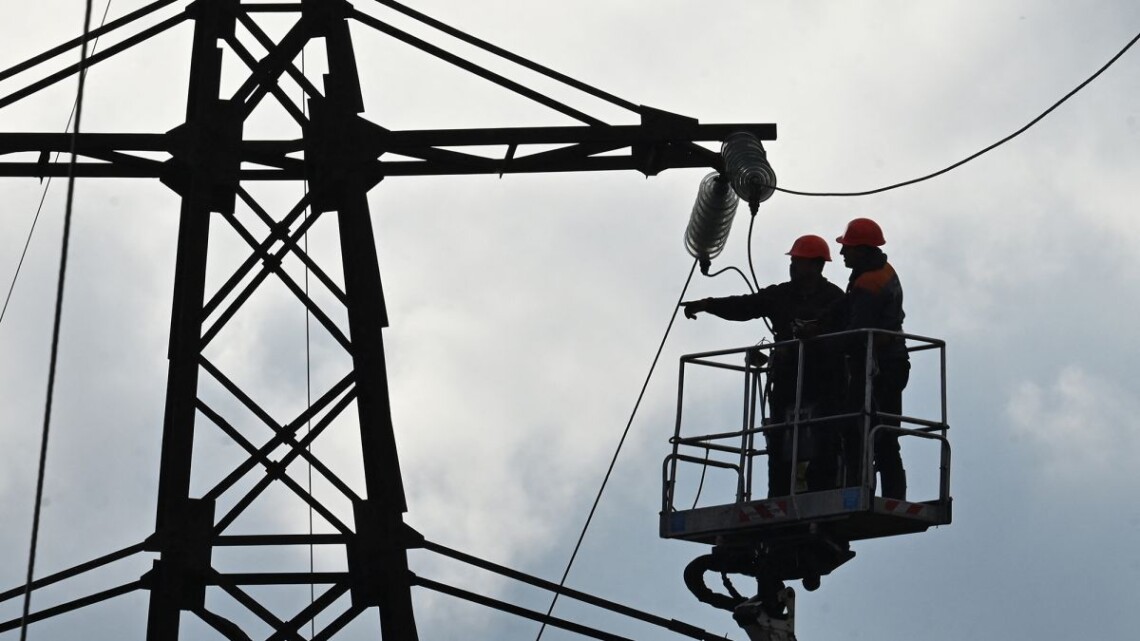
(55, 327)
(512, 57)
(621, 442)
(31, 232)
(308, 377)
(47, 186)
(977, 154)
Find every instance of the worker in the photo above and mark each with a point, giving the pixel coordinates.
(874, 300)
(802, 299)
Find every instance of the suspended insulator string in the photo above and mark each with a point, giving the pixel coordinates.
(617, 452)
(56, 325)
(44, 193)
(983, 151)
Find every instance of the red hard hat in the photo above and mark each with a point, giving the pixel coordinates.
(810, 246)
(862, 231)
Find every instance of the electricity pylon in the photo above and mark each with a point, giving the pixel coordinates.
(340, 156)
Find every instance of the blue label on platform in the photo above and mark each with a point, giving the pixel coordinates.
(851, 498)
(676, 522)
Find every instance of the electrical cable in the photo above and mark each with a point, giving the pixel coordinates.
(512, 57)
(621, 442)
(28, 242)
(63, 262)
(56, 323)
(308, 430)
(628, 105)
(751, 224)
(983, 151)
(701, 485)
(47, 186)
(737, 270)
(308, 374)
(767, 323)
(751, 269)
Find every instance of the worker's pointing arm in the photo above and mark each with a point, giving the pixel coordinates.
(734, 308)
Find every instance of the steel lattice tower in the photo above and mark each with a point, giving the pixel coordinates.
(210, 164)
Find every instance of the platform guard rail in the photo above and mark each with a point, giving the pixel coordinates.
(740, 446)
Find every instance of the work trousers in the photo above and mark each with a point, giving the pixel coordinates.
(817, 444)
(886, 395)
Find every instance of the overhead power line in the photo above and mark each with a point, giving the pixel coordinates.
(617, 451)
(392, 4)
(967, 159)
(41, 473)
(47, 187)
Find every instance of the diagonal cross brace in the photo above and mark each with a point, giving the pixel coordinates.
(285, 434)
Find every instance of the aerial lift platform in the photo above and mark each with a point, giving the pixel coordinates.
(806, 533)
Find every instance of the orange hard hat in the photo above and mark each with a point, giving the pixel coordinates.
(810, 246)
(862, 231)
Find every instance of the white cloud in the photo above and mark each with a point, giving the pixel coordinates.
(1082, 426)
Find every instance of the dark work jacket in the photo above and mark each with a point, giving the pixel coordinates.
(783, 304)
(875, 300)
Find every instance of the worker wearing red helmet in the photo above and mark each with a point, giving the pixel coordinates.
(874, 300)
(805, 297)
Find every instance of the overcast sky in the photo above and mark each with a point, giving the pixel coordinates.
(525, 311)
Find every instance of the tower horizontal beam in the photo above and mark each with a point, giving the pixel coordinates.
(670, 145)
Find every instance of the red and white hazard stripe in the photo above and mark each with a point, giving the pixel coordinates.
(763, 511)
(895, 506)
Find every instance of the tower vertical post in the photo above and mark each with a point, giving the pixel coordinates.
(210, 133)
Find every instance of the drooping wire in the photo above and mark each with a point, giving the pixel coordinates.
(617, 452)
(751, 225)
(701, 485)
(626, 104)
(751, 268)
(733, 268)
(41, 473)
(623, 103)
(983, 151)
(44, 193)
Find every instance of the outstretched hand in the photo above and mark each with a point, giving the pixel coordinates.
(691, 308)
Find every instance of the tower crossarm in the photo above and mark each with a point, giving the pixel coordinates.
(429, 152)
